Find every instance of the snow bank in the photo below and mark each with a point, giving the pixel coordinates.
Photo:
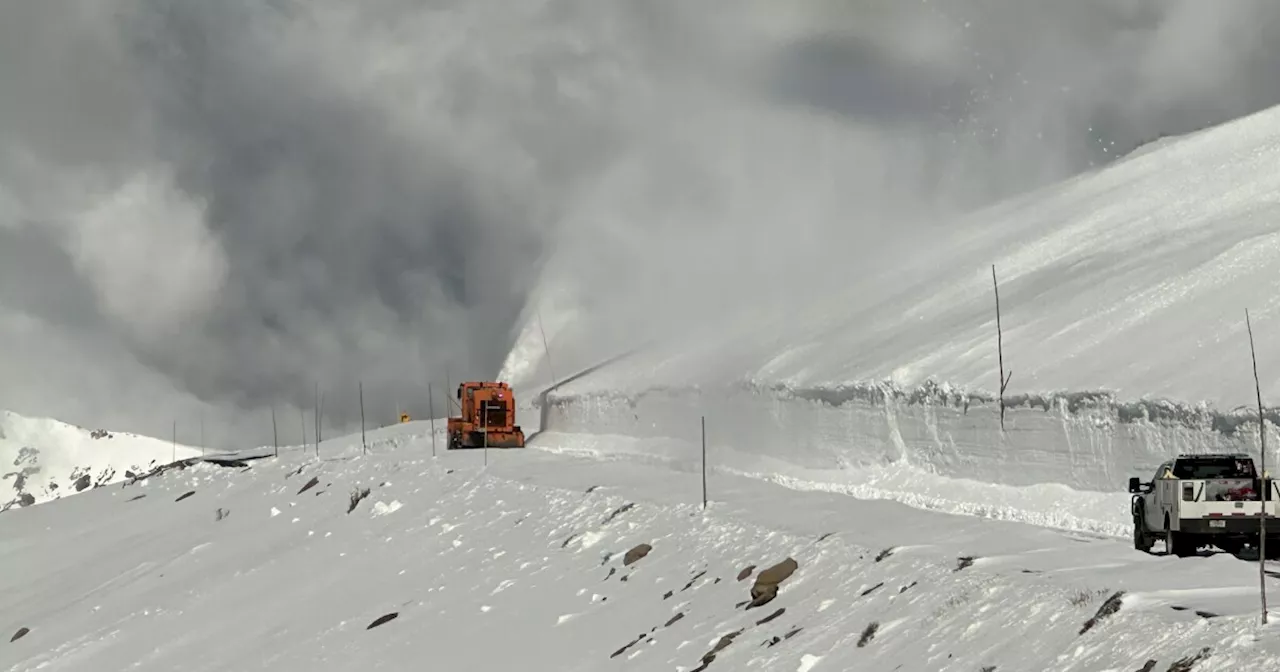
(1061, 460)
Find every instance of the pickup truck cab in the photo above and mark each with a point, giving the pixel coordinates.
(1204, 500)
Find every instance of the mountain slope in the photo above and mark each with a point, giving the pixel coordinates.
(43, 459)
(1133, 279)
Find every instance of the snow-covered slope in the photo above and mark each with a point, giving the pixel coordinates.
(1133, 279)
(523, 564)
(43, 459)
(1123, 296)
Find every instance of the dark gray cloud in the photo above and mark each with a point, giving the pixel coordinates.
(206, 208)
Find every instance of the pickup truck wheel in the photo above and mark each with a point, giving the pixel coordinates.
(1141, 540)
(1178, 544)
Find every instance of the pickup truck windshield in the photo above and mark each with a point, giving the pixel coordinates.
(1225, 467)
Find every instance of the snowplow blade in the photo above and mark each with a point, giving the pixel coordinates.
(506, 439)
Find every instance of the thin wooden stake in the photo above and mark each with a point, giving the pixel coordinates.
(704, 462)
(364, 446)
(319, 399)
(302, 422)
(275, 432)
(431, 408)
(1266, 482)
(1004, 380)
(175, 442)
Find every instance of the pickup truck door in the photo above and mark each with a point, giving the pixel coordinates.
(1159, 502)
(1169, 497)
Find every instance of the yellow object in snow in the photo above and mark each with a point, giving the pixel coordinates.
(404, 417)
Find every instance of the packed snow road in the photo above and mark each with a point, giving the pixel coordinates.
(537, 561)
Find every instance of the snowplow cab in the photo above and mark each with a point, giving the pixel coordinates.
(487, 417)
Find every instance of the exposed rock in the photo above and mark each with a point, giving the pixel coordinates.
(964, 562)
(81, 483)
(884, 554)
(766, 585)
(678, 616)
(694, 580)
(773, 641)
(1185, 664)
(770, 617)
(315, 480)
(382, 619)
(636, 553)
(22, 632)
(868, 634)
(184, 496)
(626, 646)
(1111, 606)
(710, 656)
(872, 589)
(746, 572)
(357, 495)
(617, 512)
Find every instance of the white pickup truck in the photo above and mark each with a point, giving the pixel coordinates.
(1204, 500)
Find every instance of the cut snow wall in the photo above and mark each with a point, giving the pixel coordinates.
(1085, 441)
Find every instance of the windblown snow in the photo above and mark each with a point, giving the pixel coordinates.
(1132, 280)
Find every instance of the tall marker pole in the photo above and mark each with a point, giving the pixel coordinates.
(364, 446)
(1266, 482)
(431, 408)
(704, 462)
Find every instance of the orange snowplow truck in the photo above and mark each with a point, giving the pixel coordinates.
(488, 418)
